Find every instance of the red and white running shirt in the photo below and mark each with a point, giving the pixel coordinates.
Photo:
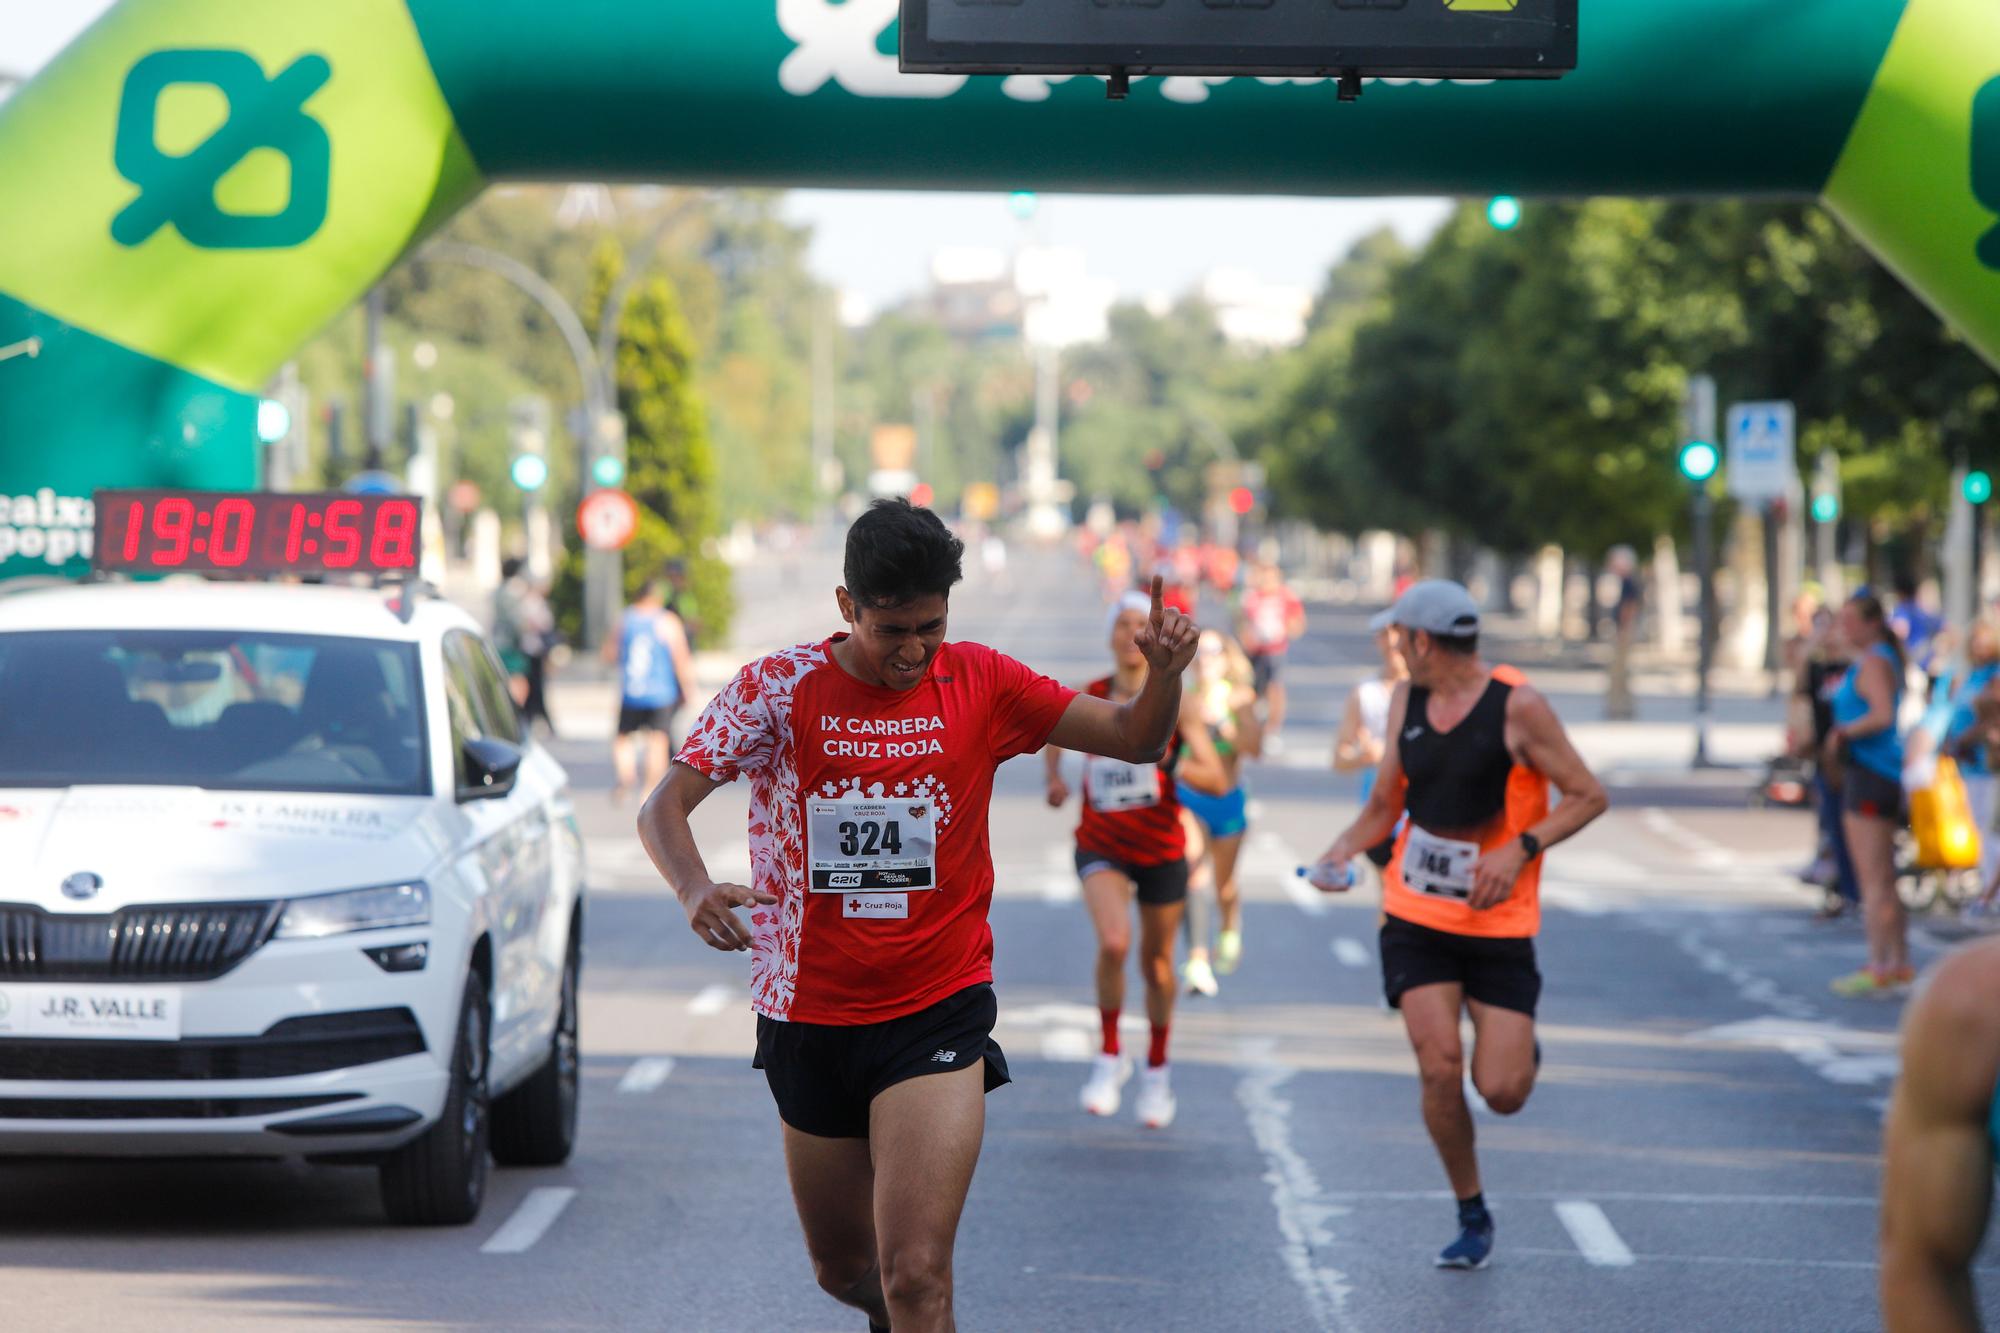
(868, 822)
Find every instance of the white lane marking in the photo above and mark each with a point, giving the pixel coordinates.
(1596, 1239)
(1629, 1196)
(1070, 1046)
(1302, 1209)
(1853, 1057)
(647, 1074)
(1708, 854)
(1572, 898)
(711, 999)
(537, 1213)
(1351, 953)
(1760, 991)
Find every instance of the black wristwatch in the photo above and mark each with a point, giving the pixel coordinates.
(1531, 844)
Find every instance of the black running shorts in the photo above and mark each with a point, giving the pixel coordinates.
(644, 717)
(823, 1076)
(1863, 791)
(1501, 973)
(1156, 886)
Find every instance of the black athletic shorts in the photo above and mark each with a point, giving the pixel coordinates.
(642, 717)
(824, 1075)
(1156, 886)
(1501, 973)
(1863, 791)
(1265, 669)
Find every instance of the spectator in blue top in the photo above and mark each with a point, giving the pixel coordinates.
(655, 673)
(1914, 625)
(1866, 750)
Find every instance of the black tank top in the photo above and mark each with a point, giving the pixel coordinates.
(1457, 778)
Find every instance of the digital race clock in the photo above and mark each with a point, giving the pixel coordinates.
(261, 532)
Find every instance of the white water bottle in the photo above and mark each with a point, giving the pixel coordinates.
(1328, 876)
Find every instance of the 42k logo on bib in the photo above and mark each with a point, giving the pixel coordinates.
(265, 115)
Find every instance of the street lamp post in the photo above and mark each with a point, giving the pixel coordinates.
(1698, 462)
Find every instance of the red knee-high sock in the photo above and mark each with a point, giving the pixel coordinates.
(1156, 1053)
(1109, 1018)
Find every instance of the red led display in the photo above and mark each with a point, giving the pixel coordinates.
(261, 532)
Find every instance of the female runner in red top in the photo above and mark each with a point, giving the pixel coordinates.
(1130, 843)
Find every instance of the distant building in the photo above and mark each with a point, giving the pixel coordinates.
(1255, 313)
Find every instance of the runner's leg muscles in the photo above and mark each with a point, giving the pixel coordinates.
(833, 1185)
(1157, 924)
(1503, 1056)
(1108, 895)
(928, 1130)
(1228, 898)
(1431, 1013)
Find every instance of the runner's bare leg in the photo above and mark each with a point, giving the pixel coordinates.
(927, 1131)
(1430, 1013)
(1108, 895)
(833, 1185)
(1158, 923)
(1503, 1056)
(1228, 897)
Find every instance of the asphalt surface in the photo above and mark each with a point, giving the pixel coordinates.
(1702, 1150)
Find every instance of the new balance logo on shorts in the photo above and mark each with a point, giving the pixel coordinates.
(944, 1057)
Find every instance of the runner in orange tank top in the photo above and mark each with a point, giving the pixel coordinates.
(1471, 754)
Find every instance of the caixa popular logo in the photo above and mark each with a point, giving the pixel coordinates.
(1986, 165)
(264, 115)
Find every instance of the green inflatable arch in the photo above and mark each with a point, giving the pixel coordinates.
(195, 186)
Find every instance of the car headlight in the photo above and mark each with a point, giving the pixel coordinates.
(358, 909)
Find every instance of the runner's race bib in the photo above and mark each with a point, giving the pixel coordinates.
(1114, 786)
(1441, 867)
(871, 845)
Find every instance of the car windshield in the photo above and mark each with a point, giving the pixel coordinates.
(239, 711)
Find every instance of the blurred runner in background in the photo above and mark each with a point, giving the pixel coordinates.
(655, 674)
(1866, 751)
(1217, 820)
(1272, 617)
(1364, 730)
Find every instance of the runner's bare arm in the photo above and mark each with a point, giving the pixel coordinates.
(1377, 819)
(1938, 1168)
(1352, 746)
(1058, 790)
(664, 832)
(1536, 738)
(1137, 730)
(1201, 765)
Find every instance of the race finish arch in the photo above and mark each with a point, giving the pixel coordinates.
(195, 186)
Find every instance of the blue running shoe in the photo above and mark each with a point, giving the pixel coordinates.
(1472, 1248)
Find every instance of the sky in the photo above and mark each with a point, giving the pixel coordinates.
(877, 244)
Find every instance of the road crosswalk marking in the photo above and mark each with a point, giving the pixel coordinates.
(1596, 1239)
(537, 1213)
(647, 1074)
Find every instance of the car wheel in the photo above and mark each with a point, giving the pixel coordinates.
(535, 1124)
(439, 1178)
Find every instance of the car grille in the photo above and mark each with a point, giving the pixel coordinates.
(309, 1045)
(159, 1108)
(191, 943)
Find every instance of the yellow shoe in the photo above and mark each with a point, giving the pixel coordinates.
(1867, 983)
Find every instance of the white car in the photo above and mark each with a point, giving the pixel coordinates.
(284, 875)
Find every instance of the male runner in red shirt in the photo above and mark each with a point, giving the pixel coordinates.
(871, 758)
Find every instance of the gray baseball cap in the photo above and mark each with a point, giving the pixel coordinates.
(1436, 606)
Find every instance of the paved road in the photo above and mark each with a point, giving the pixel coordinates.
(1701, 1152)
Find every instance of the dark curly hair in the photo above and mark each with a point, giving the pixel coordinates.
(898, 552)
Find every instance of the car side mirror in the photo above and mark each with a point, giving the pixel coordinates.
(490, 768)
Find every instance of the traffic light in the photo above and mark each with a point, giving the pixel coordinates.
(607, 471)
(1699, 460)
(529, 471)
(1825, 509)
(1978, 487)
(1022, 204)
(274, 421)
(1242, 500)
(1504, 212)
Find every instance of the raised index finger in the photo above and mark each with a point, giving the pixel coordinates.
(1159, 608)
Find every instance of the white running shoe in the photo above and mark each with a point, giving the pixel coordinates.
(1155, 1102)
(1200, 977)
(1107, 1075)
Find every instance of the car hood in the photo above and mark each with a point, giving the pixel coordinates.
(186, 844)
